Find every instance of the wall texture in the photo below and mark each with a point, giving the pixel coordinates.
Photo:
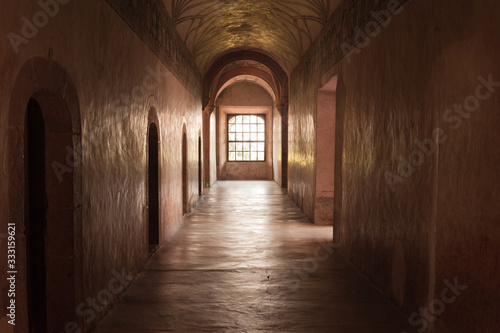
(277, 148)
(302, 149)
(467, 175)
(419, 218)
(325, 157)
(213, 148)
(119, 82)
(416, 153)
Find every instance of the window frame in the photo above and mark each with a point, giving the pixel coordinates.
(230, 116)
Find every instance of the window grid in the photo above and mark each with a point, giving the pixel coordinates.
(246, 138)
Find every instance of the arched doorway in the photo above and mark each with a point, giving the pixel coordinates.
(274, 76)
(153, 188)
(36, 218)
(45, 196)
(185, 204)
(49, 213)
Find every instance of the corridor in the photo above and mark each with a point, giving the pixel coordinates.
(247, 260)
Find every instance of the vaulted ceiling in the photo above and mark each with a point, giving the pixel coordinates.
(282, 29)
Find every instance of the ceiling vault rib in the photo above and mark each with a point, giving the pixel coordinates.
(282, 29)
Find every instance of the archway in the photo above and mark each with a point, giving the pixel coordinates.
(153, 188)
(225, 68)
(239, 146)
(45, 196)
(49, 213)
(37, 218)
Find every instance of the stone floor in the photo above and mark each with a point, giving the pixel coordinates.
(247, 260)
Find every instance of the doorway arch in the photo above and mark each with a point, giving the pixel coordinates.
(45, 195)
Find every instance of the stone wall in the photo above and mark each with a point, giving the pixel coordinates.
(325, 156)
(415, 216)
(121, 84)
(277, 148)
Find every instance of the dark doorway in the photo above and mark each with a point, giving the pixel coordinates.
(37, 218)
(153, 189)
(49, 209)
(200, 175)
(45, 196)
(185, 208)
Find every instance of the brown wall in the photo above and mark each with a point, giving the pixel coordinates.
(325, 156)
(302, 149)
(437, 222)
(105, 68)
(242, 98)
(213, 148)
(277, 147)
(441, 221)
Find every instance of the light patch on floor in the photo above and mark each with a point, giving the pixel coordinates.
(247, 260)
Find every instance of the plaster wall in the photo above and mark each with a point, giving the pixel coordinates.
(302, 149)
(213, 148)
(277, 147)
(442, 215)
(467, 241)
(412, 228)
(118, 81)
(325, 157)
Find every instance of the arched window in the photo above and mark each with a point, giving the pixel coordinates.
(246, 138)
